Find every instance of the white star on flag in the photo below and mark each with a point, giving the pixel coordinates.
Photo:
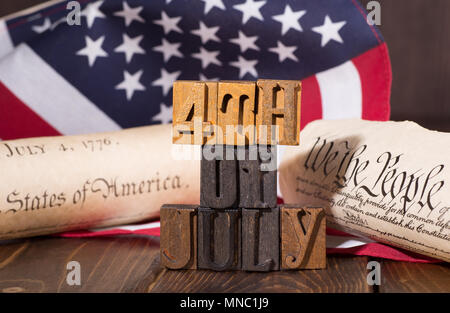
(130, 46)
(206, 33)
(169, 23)
(165, 114)
(289, 19)
(93, 49)
(250, 9)
(245, 66)
(284, 52)
(130, 14)
(210, 4)
(245, 42)
(166, 80)
(207, 57)
(92, 11)
(131, 83)
(329, 31)
(169, 50)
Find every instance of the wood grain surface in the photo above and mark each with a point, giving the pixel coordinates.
(219, 239)
(261, 239)
(178, 236)
(107, 264)
(344, 274)
(218, 178)
(414, 277)
(132, 264)
(303, 237)
(236, 107)
(279, 105)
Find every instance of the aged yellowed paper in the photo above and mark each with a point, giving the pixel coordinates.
(55, 184)
(389, 181)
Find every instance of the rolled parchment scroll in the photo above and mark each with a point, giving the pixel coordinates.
(55, 184)
(389, 181)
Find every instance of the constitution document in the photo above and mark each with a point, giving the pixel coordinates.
(389, 181)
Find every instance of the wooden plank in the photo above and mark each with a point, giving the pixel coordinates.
(414, 277)
(343, 274)
(118, 264)
(18, 8)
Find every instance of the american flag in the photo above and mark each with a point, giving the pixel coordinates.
(116, 69)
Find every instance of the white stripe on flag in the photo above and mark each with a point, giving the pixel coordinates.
(343, 242)
(341, 92)
(45, 91)
(6, 45)
(130, 227)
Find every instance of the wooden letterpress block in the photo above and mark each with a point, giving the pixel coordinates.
(302, 238)
(257, 176)
(194, 112)
(218, 178)
(278, 105)
(261, 239)
(236, 113)
(178, 236)
(219, 239)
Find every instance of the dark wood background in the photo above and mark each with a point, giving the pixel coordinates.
(417, 34)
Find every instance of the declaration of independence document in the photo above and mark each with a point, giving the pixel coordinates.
(389, 181)
(55, 184)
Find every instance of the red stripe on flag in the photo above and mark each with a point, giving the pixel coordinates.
(17, 120)
(311, 104)
(374, 69)
(379, 250)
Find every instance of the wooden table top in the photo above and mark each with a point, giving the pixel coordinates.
(131, 264)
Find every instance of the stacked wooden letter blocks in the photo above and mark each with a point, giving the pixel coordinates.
(238, 225)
